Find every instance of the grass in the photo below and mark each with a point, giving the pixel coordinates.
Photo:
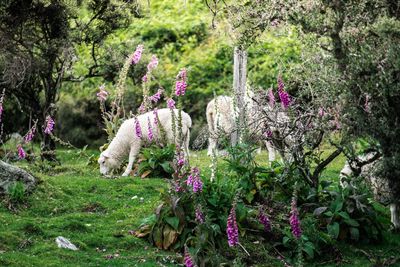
(96, 214)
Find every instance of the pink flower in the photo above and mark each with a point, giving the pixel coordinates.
(49, 125)
(294, 219)
(137, 54)
(30, 134)
(102, 94)
(149, 129)
(271, 98)
(283, 95)
(232, 228)
(268, 134)
(194, 180)
(21, 152)
(145, 78)
(188, 259)
(200, 218)
(155, 113)
(263, 219)
(181, 85)
(156, 96)
(142, 108)
(171, 103)
(153, 63)
(138, 129)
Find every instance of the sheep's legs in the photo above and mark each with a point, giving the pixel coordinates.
(212, 145)
(395, 215)
(132, 156)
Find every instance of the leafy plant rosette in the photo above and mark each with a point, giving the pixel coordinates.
(156, 161)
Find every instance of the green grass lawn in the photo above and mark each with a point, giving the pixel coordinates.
(96, 214)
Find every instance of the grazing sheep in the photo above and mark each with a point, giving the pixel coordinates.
(380, 186)
(126, 142)
(221, 121)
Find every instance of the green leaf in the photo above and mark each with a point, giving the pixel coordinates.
(285, 240)
(352, 222)
(333, 229)
(328, 213)
(173, 221)
(339, 206)
(309, 249)
(355, 233)
(344, 215)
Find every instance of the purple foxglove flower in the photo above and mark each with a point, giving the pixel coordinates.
(200, 218)
(271, 98)
(294, 220)
(102, 94)
(182, 75)
(190, 180)
(153, 63)
(180, 88)
(283, 95)
(49, 125)
(21, 152)
(188, 259)
(232, 228)
(171, 103)
(181, 161)
(137, 54)
(263, 219)
(145, 78)
(149, 129)
(156, 96)
(268, 134)
(30, 134)
(142, 108)
(177, 187)
(138, 129)
(155, 113)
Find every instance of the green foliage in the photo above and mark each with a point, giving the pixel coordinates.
(156, 161)
(349, 216)
(16, 193)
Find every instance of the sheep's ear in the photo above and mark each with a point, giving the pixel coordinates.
(105, 154)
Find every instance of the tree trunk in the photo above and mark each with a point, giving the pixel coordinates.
(239, 89)
(10, 174)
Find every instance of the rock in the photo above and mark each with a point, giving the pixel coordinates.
(62, 242)
(10, 174)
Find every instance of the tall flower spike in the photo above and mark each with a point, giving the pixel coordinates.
(283, 95)
(49, 125)
(271, 98)
(137, 54)
(294, 219)
(188, 259)
(138, 129)
(149, 129)
(21, 152)
(264, 220)
(232, 228)
(200, 218)
(181, 85)
(171, 103)
(30, 134)
(102, 94)
(153, 63)
(157, 96)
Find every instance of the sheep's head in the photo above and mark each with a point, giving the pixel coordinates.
(107, 163)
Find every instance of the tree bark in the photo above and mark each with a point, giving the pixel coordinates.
(239, 89)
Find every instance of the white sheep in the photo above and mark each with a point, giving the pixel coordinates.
(126, 142)
(380, 186)
(220, 114)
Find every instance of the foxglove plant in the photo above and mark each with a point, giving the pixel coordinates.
(135, 58)
(152, 64)
(294, 219)
(181, 83)
(232, 228)
(30, 134)
(157, 96)
(170, 103)
(283, 95)
(49, 125)
(102, 94)
(264, 220)
(21, 152)
(150, 130)
(200, 218)
(138, 129)
(188, 259)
